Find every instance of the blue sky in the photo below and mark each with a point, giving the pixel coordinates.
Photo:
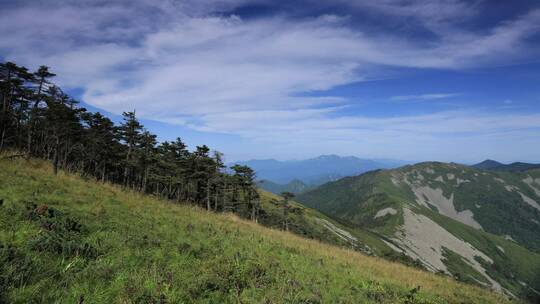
(445, 80)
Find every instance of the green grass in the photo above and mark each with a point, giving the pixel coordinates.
(306, 222)
(96, 243)
(457, 267)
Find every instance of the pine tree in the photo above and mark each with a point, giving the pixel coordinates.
(285, 206)
(42, 77)
(130, 132)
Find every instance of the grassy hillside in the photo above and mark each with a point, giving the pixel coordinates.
(312, 224)
(68, 240)
(440, 215)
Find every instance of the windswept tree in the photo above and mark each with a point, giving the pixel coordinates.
(147, 156)
(169, 172)
(246, 179)
(102, 147)
(130, 133)
(61, 128)
(15, 94)
(285, 206)
(219, 181)
(41, 77)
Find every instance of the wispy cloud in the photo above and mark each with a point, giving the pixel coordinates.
(445, 134)
(422, 97)
(188, 63)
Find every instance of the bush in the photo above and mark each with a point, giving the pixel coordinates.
(60, 233)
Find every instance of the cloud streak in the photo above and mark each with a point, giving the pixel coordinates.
(422, 97)
(187, 63)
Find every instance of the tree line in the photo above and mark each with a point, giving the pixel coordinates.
(40, 120)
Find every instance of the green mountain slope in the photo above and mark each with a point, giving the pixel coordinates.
(312, 224)
(295, 186)
(67, 240)
(473, 224)
(513, 167)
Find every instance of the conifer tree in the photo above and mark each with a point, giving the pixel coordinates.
(38, 118)
(285, 206)
(130, 132)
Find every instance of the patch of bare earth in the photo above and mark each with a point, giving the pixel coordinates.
(426, 196)
(423, 239)
(529, 201)
(344, 235)
(385, 211)
(534, 184)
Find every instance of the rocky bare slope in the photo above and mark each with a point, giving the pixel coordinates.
(480, 226)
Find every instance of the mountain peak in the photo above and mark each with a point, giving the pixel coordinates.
(328, 157)
(487, 164)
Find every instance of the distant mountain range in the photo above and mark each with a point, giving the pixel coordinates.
(489, 164)
(298, 175)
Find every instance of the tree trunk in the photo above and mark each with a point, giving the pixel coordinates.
(145, 179)
(126, 168)
(5, 106)
(216, 198)
(56, 156)
(31, 120)
(208, 207)
(251, 205)
(2, 139)
(103, 173)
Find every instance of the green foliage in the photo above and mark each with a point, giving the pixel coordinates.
(60, 233)
(461, 270)
(152, 251)
(295, 186)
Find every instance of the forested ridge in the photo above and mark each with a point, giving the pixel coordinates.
(39, 120)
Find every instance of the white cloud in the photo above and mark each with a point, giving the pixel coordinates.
(451, 136)
(424, 10)
(421, 97)
(180, 62)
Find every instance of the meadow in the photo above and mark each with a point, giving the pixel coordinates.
(66, 239)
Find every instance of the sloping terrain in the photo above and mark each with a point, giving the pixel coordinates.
(68, 240)
(479, 226)
(312, 224)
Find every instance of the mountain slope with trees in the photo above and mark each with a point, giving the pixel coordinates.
(40, 120)
(295, 186)
(448, 217)
(513, 167)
